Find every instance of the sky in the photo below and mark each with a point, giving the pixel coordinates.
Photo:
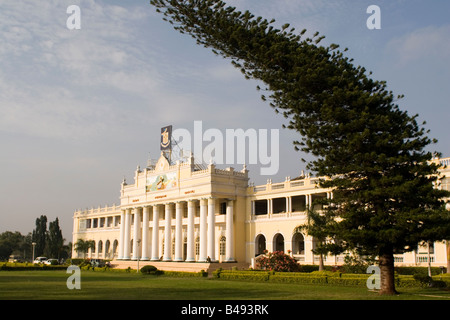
(80, 109)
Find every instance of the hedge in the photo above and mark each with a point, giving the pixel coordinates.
(182, 274)
(435, 271)
(29, 267)
(321, 277)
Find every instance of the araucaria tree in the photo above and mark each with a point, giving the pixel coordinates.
(372, 153)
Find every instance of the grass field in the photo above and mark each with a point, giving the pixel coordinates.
(51, 285)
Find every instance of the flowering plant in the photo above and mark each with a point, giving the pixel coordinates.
(277, 261)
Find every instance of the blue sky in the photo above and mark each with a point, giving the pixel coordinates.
(81, 109)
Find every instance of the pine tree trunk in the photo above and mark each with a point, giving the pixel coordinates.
(387, 273)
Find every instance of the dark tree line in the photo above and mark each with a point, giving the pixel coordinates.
(47, 242)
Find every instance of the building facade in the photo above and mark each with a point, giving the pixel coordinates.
(184, 212)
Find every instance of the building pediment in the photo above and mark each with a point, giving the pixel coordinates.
(162, 164)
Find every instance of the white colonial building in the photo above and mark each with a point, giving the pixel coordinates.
(187, 213)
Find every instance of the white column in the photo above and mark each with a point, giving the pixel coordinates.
(136, 233)
(203, 230)
(168, 233)
(211, 229)
(179, 232)
(229, 257)
(122, 234)
(190, 254)
(126, 238)
(155, 234)
(288, 204)
(145, 213)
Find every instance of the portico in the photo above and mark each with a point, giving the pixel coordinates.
(168, 234)
(174, 213)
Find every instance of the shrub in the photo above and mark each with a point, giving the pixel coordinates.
(149, 269)
(424, 280)
(277, 261)
(217, 272)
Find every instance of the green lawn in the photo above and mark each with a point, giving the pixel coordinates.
(50, 285)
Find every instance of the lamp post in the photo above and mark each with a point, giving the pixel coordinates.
(33, 244)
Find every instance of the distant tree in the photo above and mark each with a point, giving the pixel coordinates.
(27, 246)
(373, 154)
(11, 243)
(55, 240)
(39, 235)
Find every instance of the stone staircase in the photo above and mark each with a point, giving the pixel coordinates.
(179, 266)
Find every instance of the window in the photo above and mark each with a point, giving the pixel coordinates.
(278, 242)
(298, 244)
(260, 245)
(298, 203)
(260, 207)
(222, 246)
(223, 208)
(197, 246)
(279, 205)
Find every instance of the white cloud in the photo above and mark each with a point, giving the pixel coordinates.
(56, 82)
(429, 44)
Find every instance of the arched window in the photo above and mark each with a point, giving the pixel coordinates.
(115, 245)
(107, 249)
(298, 244)
(278, 242)
(260, 245)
